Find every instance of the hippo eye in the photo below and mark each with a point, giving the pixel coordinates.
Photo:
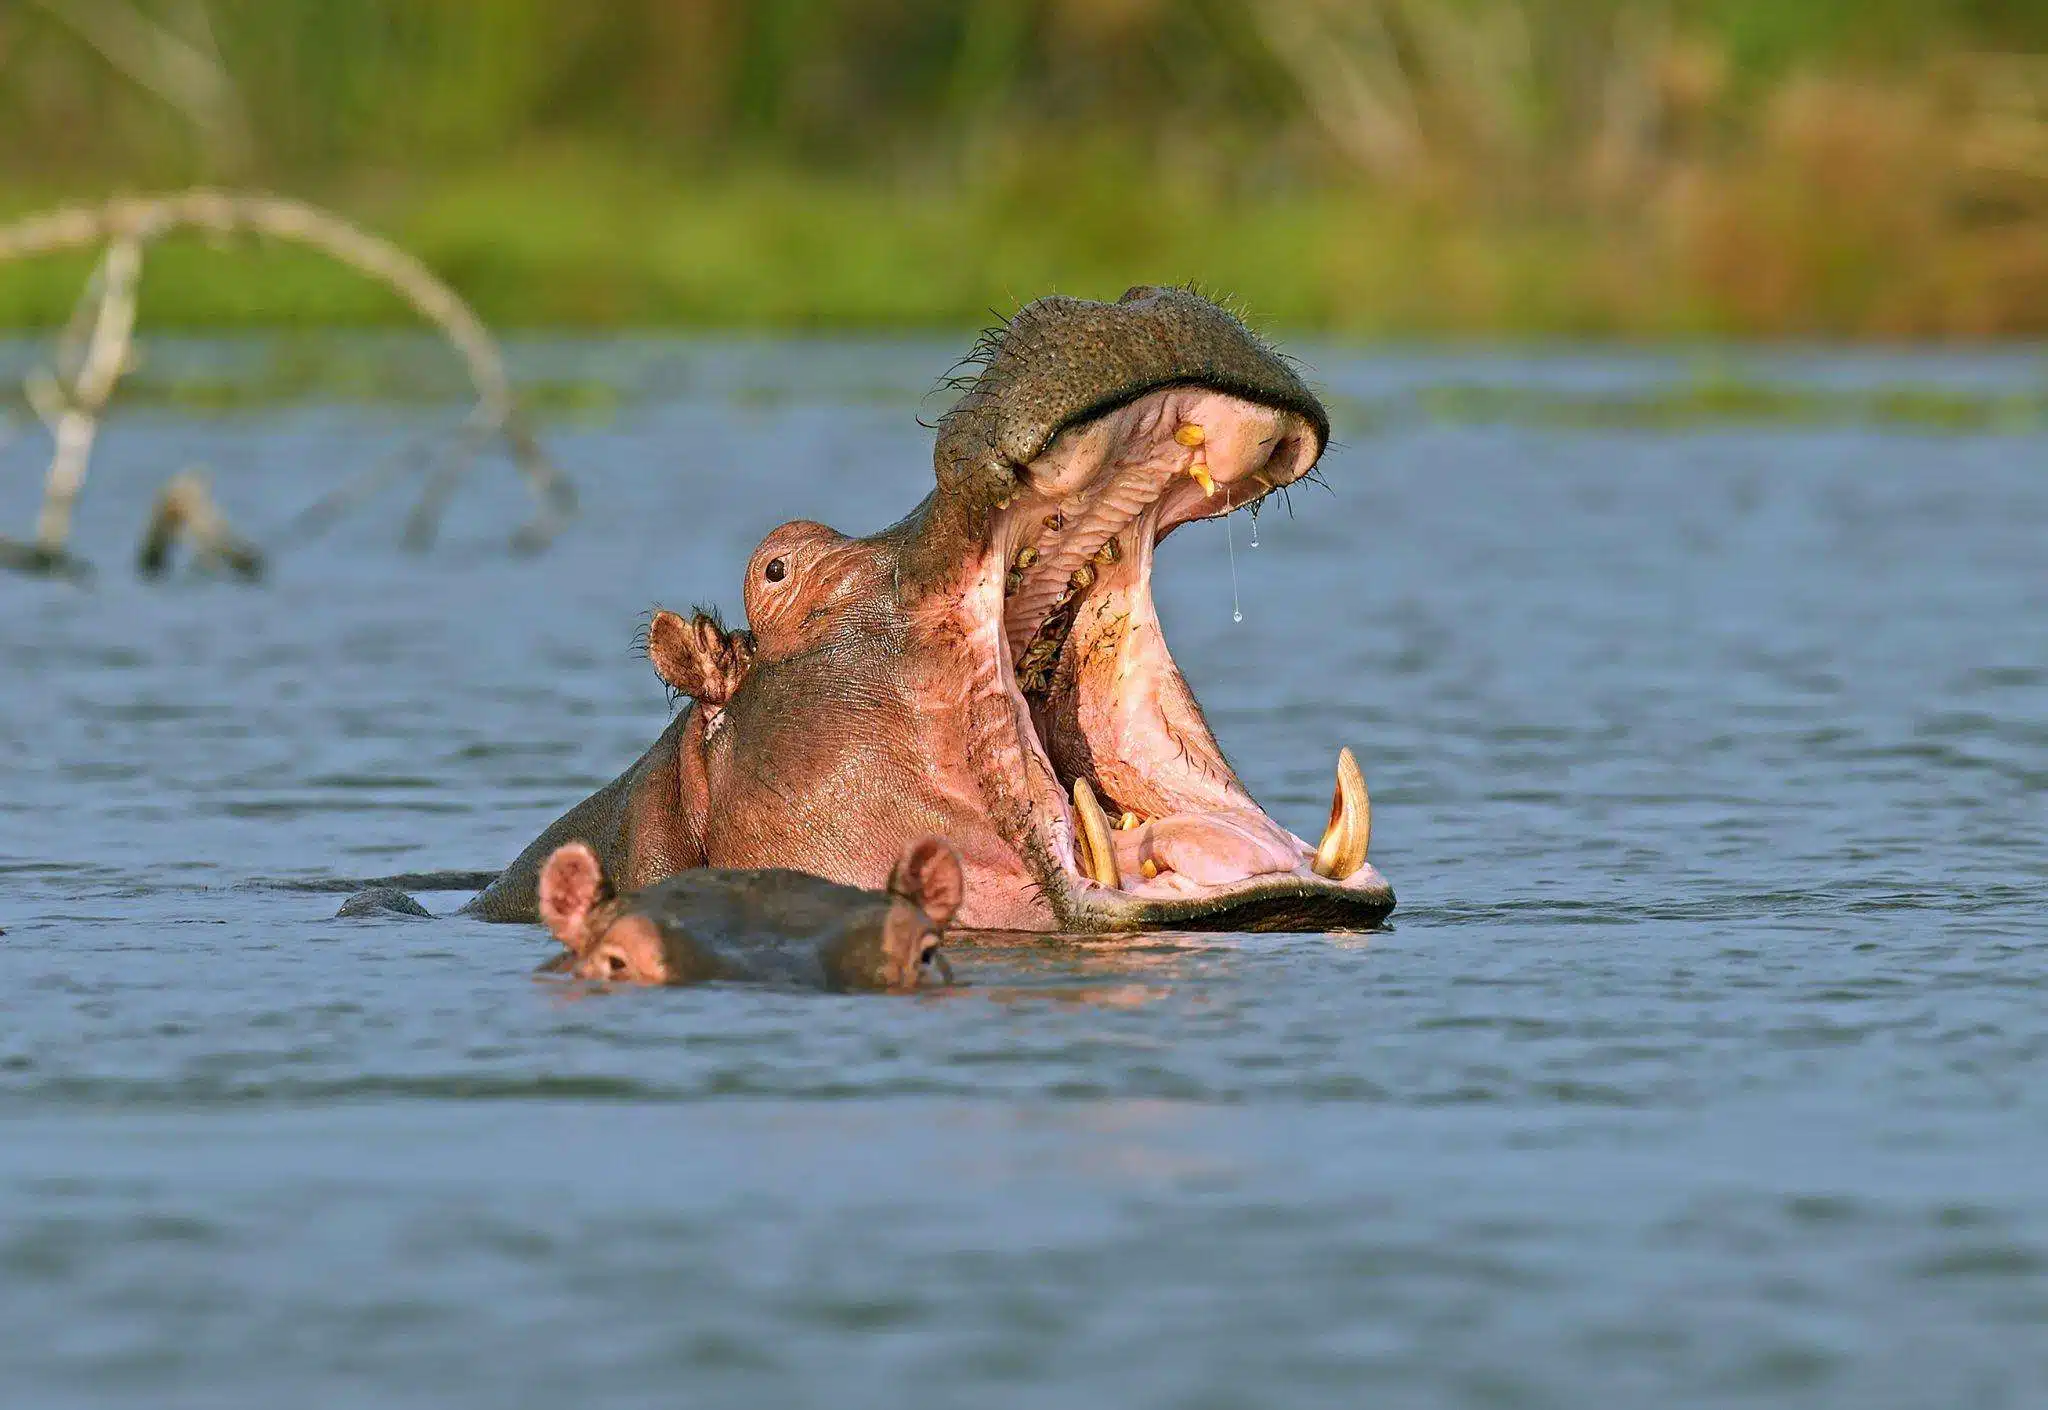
(616, 962)
(776, 570)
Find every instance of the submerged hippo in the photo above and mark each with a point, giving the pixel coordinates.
(991, 667)
(774, 927)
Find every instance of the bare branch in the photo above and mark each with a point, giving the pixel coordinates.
(316, 518)
(106, 353)
(141, 219)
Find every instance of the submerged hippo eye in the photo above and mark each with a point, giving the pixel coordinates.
(616, 962)
(776, 570)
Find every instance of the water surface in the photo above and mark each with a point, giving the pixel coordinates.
(1703, 1062)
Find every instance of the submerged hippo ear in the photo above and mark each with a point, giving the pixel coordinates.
(699, 657)
(571, 886)
(929, 875)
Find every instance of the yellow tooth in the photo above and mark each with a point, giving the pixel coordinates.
(1201, 474)
(1349, 834)
(1150, 868)
(1191, 435)
(1026, 556)
(1092, 847)
(1110, 552)
(1128, 821)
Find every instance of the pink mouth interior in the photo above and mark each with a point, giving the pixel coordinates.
(1096, 692)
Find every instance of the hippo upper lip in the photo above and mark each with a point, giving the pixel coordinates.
(1065, 362)
(1304, 405)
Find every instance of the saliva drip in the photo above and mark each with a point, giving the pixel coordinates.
(1255, 521)
(1230, 544)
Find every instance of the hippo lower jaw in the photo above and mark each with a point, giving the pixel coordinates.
(1131, 815)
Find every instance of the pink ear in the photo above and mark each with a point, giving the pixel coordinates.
(929, 874)
(698, 658)
(571, 885)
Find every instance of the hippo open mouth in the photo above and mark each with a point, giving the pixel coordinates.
(1131, 797)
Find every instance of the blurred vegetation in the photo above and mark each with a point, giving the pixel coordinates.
(1838, 168)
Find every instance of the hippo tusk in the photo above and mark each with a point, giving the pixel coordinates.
(1091, 837)
(1349, 834)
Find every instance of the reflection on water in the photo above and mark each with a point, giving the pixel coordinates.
(1703, 1062)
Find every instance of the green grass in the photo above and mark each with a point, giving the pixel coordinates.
(587, 240)
(584, 246)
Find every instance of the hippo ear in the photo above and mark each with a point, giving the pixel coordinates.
(929, 875)
(699, 657)
(571, 886)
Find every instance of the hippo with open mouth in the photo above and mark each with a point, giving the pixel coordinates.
(991, 668)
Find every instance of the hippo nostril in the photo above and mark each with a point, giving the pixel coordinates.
(616, 963)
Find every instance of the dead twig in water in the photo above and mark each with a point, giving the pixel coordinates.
(91, 356)
(126, 225)
(322, 514)
(99, 368)
(185, 509)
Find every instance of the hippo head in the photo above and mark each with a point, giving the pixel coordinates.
(991, 667)
(705, 925)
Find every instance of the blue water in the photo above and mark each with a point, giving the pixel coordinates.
(1705, 1061)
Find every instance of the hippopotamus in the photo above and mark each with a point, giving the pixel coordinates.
(763, 926)
(991, 667)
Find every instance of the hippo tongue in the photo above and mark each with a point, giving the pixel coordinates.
(1211, 849)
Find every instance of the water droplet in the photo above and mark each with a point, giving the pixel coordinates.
(1230, 542)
